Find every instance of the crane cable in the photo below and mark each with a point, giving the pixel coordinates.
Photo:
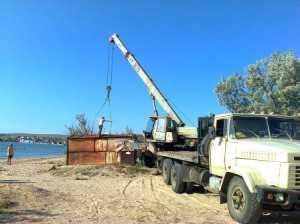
(109, 79)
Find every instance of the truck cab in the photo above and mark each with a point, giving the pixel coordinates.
(165, 133)
(260, 155)
(161, 129)
(256, 144)
(253, 163)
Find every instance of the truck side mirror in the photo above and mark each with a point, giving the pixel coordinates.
(212, 131)
(204, 123)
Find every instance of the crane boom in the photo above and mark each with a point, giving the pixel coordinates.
(153, 89)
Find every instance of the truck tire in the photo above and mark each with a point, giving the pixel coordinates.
(166, 170)
(178, 185)
(242, 204)
(189, 187)
(158, 165)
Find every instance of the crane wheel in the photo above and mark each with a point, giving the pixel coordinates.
(166, 170)
(178, 186)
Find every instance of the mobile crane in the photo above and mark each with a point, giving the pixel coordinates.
(252, 160)
(162, 131)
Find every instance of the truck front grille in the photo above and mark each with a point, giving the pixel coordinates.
(297, 176)
(294, 176)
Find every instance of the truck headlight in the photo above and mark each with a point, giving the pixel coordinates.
(279, 197)
(275, 197)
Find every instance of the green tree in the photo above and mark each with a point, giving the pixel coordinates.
(271, 85)
(81, 126)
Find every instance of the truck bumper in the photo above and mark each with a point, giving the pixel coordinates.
(273, 198)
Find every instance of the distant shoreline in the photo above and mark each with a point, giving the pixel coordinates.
(2, 159)
(33, 138)
(35, 143)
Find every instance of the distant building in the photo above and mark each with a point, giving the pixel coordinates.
(26, 140)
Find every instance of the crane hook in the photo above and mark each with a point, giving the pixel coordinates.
(108, 89)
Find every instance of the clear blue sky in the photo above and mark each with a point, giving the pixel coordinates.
(54, 55)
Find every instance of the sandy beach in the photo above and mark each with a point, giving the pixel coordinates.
(47, 191)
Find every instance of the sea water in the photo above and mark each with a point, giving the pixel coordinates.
(23, 150)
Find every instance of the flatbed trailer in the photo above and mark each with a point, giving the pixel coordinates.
(186, 156)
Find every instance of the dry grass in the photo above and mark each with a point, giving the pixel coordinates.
(65, 171)
(91, 171)
(4, 205)
(6, 202)
(137, 170)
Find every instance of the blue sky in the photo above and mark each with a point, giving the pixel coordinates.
(53, 56)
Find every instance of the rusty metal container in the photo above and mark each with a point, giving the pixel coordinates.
(95, 150)
(86, 158)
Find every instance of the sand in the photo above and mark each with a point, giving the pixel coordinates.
(47, 191)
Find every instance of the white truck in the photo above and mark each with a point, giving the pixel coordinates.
(252, 161)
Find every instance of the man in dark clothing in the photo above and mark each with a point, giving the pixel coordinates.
(10, 153)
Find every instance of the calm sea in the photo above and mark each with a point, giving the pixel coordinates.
(32, 150)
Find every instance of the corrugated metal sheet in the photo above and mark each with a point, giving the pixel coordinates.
(81, 145)
(87, 158)
(95, 150)
(111, 158)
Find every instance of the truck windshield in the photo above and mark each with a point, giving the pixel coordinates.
(250, 127)
(258, 127)
(284, 128)
(150, 125)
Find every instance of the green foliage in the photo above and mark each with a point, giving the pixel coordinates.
(81, 126)
(232, 93)
(271, 85)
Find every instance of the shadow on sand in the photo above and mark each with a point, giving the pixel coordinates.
(292, 217)
(28, 215)
(15, 182)
(286, 218)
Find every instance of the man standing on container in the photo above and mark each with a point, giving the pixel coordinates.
(10, 153)
(101, 123)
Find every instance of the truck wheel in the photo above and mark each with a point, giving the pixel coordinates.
(178, 185)
(189, 187)
(158, 165)
(166, 170)
(242, 205)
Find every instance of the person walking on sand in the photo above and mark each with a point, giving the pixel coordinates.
(10, 153)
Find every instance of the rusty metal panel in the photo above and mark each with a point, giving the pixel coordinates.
(86, 158)
(103, 137)
(81, 145)
(111, 145)
(90, 150)
(111, 158)
(101, 145)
